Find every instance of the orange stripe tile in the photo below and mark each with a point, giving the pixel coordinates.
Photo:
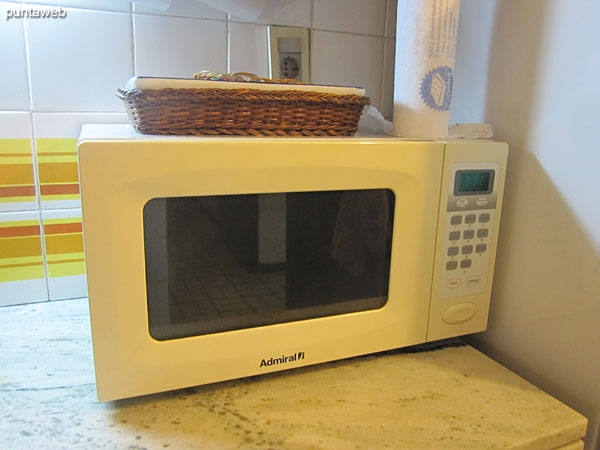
(67, 261)
(20, 247)
(64, 243)
(29, 230)
(57, 189)
(16, 174)
(61, 228)
(10, 266)
(15, 155)
(58, 172)
(43, 153)
(17, 191)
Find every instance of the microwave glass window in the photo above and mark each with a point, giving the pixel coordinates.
(222, 263)
(474, 182)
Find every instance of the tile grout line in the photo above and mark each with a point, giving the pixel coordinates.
(385, 26)
(133, 52)
(310, 41)
(36, 175)
(227, 43)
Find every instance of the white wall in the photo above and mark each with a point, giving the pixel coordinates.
(541, 74)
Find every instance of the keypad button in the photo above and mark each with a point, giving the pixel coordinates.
(451, 265)
(467, 250)
(480, 248)
(462, 202)
(455, 220)
(465, 264)
(482, 233)
(484, 218)
(474, 280)
(453, 283)
(452, 251)
(454, 235)
(470, 218)
(469, 234)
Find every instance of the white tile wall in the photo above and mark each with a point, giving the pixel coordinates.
(15, 125)
(348, 59)
(296, 13)
(182, 8)
(68, 125)
(13, 69)
(105, 5)
(179, 47)
(247, 49)
(351, 16)
(390, 18)
(78, 62)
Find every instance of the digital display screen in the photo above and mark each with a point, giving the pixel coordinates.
(471, 182)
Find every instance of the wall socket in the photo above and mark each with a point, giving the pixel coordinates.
(289, 53)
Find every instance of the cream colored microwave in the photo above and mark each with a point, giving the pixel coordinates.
(213, 258)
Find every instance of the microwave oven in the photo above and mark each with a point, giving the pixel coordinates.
(214, 258)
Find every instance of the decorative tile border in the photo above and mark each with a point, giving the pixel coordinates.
(64, 253)
(56, 137)
(22, 275)
(58, 173)
(17, 184)
(17, 178)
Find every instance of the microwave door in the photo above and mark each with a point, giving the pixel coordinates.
(223, 263)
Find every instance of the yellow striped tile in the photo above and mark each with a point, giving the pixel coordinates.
(21, 273)
(20, 248)
(17, 188)
(64, 244)
(58, 172)
(18, 223)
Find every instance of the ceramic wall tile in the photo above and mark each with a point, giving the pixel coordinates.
(102, 5)
(296, 13)
(64, 253)
(13, 70)
(17, 175)
(387, 88)
(248, 49)
(351, 16)
(56, 148)
(182, 8)
(179, 47)
(77, 63)
(22, 276)
(390, 18)
(332, 63)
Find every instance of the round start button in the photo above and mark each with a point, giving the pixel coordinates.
(459, 313)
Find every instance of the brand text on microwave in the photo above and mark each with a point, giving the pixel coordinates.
(36, 13)
(282, 360)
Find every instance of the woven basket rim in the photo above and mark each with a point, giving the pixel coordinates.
(245, 94)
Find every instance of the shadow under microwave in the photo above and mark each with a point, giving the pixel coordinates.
(231, 262)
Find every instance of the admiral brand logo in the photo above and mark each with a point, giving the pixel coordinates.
(282, 360)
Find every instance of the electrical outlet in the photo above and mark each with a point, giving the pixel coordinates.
(289, 53)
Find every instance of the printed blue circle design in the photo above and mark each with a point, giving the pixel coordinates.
(436, 88)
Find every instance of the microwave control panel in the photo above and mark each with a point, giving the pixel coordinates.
(470, 218)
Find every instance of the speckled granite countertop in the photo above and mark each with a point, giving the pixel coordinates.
(454, 398)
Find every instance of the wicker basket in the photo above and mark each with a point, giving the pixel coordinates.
(242, 112)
